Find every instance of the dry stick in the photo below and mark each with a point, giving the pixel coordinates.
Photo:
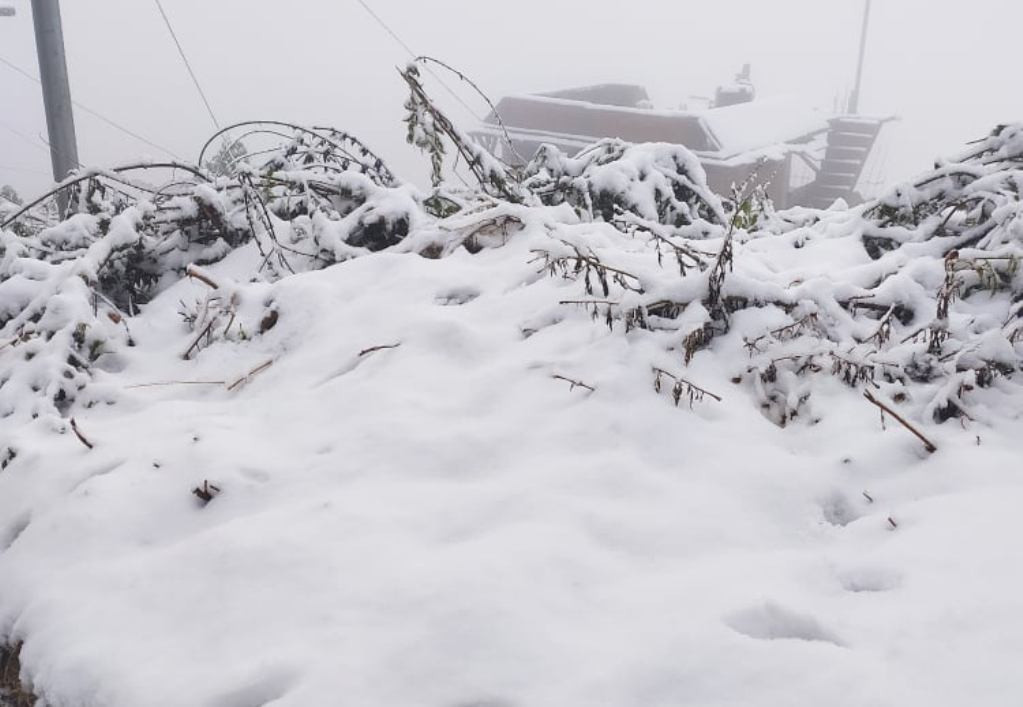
(691, 385)
(574, 383)
(196, 273)
(374, 349)
(204, 332)
(167, 383)
(595, 262)
(78, 433)
(928, 445)
(248, 376)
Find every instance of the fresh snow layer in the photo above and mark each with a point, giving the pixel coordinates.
(444, 523)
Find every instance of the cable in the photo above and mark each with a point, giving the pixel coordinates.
(90, 111)
(29, 140)
(387, 29)
(414, 55)
(188, 65)
(41, 145)
(52, 150)
(23, 170)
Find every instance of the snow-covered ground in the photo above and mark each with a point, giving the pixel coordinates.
(444, 523)
(581, 436)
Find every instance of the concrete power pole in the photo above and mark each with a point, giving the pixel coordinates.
(60, 119)
(854, 99)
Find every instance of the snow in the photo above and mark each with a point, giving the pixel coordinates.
(442, 523)
(766, 121)
(742, 131)
(436, 481)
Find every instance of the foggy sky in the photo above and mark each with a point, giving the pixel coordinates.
(947, 68)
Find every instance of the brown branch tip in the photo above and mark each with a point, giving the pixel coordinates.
(202, 276)
(928, 445)
(79, 435)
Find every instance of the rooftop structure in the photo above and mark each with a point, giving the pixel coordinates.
(807, 157)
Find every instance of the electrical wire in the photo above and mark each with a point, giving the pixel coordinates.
(29, 140)
(188, 65)
(414, 55)
(96, 114)
(23, 170)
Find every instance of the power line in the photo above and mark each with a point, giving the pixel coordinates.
(27, 138)
(23, 170)
(188, 65)
(414, 55)
(41, 145)
(387, 29)
(90, 111)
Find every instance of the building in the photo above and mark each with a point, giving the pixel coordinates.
(806, 157)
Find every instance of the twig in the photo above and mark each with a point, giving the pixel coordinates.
(206, 493)
(574, 383)
(167, 383)
(201, 275)
(928, 445)
(79, 435)
(195, 343)
(700, 392)
(248, 376)
(374, 349)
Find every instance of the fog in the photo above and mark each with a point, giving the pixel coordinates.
(947, 69)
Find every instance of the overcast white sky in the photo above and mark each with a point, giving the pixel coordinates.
(948, 68)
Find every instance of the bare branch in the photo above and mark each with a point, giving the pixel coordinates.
(79, 435)
(574, 383)
(928, 445)
(374, 349)
(248, 376)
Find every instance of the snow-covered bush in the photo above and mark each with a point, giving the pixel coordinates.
(917, 296)
(67, 291)
(660, 183)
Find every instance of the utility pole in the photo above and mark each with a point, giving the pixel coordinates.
(854, 99)
(60, 119)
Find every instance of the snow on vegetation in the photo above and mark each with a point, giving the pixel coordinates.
(291, 431)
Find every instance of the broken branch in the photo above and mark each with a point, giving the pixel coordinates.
(928, 445)
(574, 383)
(202, 276)
(374, 349)
(79, 435)
(248, 376)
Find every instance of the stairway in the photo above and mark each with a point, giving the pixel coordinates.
(850, 140)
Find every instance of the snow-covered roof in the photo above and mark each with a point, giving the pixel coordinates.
(594, 121)
(764, 122)
(718, 132)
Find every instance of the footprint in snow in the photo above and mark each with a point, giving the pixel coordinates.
(771, 622)
(10, 534)
(269, 686)
(869, 579)
(456, 297)
(258, 476)
(839, 511)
